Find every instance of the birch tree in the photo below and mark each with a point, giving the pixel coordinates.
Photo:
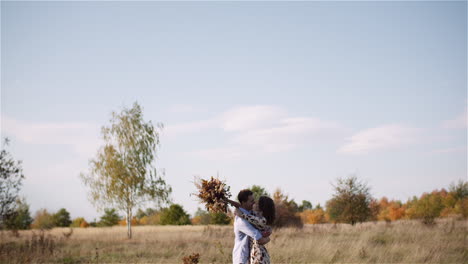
(123, 173)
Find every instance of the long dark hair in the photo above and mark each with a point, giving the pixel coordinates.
(267, 206)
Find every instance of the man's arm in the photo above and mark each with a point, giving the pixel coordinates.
(234, 203)
(246, 228)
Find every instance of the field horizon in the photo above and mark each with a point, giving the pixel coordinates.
(403, 241)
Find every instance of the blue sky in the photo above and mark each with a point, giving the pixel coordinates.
(278, 94)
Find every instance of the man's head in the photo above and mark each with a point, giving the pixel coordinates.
(246, 199)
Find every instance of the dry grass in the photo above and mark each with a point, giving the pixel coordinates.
(398, 242)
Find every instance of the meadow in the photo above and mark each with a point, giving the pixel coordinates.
(403, 241)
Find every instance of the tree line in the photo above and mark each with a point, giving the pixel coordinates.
(122, 177)
(346, 206)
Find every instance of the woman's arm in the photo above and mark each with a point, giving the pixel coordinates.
(258, 222)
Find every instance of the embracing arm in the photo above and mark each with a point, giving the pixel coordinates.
(256, 221)
(246, 228)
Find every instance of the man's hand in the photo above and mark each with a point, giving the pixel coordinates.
(263, 240)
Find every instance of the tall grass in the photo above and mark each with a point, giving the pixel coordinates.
(396, 242)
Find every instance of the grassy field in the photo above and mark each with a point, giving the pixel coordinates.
(397, 242)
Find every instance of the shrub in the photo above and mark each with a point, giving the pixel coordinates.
(286, 211)
(21, 218)
(43, 220)
(62, 218)
(110, 218)
(79, 222)
(174, 215)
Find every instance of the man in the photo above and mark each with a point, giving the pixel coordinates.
(243, 229)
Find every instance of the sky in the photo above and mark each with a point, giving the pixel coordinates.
(289, 95)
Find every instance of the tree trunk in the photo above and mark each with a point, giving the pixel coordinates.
(129, 225)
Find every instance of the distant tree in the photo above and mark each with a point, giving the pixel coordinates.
(93, 223)
(286, 211)
(316, 216)
(79, 222)
(174, 215)
(43, 220)
(459, 189)
(109, 218)
(21, 218)
(374, 209)
(11, 175)
(219, 219)
(140, 214)
(461, 207)
(201, 217)
(62, 218)
(306, 205)
(427, 208)
(351, 201)
(123, 175)
(258, 191)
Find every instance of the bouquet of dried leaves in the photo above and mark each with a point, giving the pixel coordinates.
(214, 194)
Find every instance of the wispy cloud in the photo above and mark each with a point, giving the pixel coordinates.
(82, 137)
(458, 122)
(246, 118)
(380, 138)
(449, 150)
(259, 129)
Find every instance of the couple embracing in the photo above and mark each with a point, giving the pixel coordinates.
(252, 228)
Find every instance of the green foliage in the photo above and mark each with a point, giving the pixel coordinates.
(459, 189)
(351, 201)
(219, 219)
(43, 220)
(258, 191)
(427, 208)
(174, 215)
(201, 217)
(62, 218)
(110, 218)
(78, 222)
(123, 175)
(140, 214)
(21, 219)
(306, 205)
(11, 175)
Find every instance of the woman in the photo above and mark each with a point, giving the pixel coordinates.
(262, 218)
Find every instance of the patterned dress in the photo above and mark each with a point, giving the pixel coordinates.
(258, 253)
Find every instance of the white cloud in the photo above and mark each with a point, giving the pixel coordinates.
(380, 138)
(448, 150)
(83, 137)
(258, 129)
(458, 122)
(251, 117)
(287, 133)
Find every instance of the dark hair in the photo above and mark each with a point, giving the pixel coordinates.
(243, 195)
(267, 206)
